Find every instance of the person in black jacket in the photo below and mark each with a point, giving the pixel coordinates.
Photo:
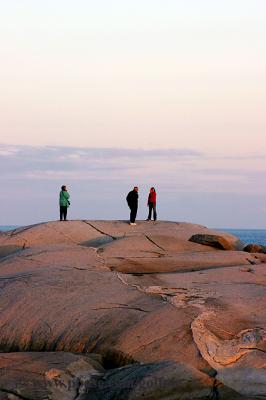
(132, 201)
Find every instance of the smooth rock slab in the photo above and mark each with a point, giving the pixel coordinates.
(179, 262)
(93, 286)
(66, 299)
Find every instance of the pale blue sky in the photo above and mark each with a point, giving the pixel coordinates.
(182, 75)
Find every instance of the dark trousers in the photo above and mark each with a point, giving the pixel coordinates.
(133, 214)
(63, 213)
(152, 208)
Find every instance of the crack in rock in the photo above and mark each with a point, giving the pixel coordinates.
(252, 262)
(13, 393)
(153, 242)
(98, 230)
(176, 297)
(98, 254)
(182, 297)
(64, 234)
(7, 369)
(132, 285)
(135, 349)
(17, 277)
(34, 254)
(119, 307)
(136, 258)
(17, 231)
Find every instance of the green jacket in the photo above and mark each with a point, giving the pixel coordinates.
(63, 198)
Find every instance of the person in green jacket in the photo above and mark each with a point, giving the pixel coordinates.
(64, 203)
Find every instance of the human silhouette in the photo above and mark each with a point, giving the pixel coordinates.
(152, 204)
(64, 203)
(132, 201)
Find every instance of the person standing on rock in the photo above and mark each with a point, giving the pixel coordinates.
(64, 203)
(152, 204)
(132, 201)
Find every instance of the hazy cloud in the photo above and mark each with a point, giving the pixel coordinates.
(58, 162)
(191, 185)
(181, 169)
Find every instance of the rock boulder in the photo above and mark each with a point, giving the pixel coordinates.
(218, 241)
(255, 248)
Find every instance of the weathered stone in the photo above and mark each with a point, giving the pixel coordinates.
(132, 295)
(178, 262)
(6, 251)
(217, 241)
(67, 376)
(39, 376)
(239, 361)
(82, 231)
(157, 381)
(255, 248)
(252, 248)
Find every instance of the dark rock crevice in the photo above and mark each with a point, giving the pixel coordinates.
(14, 393)
(113, 359)
(124, 307)
(99, 230)
(17, 231)
(98, 242)
(9, 251)
(153, 242)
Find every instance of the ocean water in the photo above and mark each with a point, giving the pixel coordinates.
(5, 228)
(245, 235)
(248, 235)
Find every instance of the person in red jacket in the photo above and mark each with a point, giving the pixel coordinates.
(152, 204)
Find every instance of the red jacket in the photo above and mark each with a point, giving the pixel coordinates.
(152, 197)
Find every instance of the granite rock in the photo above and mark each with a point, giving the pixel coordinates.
(145, 298)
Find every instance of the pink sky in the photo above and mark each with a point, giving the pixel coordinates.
(140, 75)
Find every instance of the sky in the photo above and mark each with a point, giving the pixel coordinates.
(104, 95)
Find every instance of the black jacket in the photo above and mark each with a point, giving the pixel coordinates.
(132, 199)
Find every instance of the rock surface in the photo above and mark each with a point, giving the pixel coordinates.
(68, 376)
(143, 294)
(39, 375)
(255, 248)
(217, 241)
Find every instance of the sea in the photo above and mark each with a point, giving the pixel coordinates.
(245, 235)
(5, 228)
